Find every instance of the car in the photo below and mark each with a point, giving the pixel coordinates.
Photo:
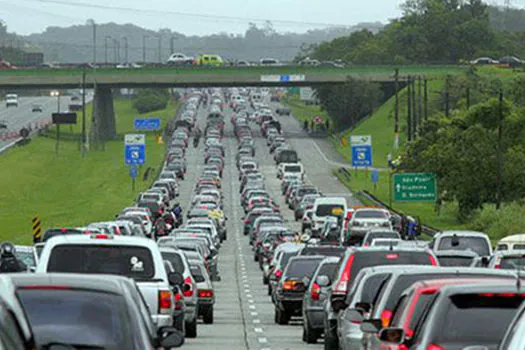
(87, 309)
(507, 260)
(375, 233)
(210, 60)
(510, 243)
(135, 257)
(289, 292)
(36, 108)
(11, 100)
(322, 208)
(365, 219)
(513, 338)
(206, 296)
(180, 59)
(189, 287)
(446, 322)
(477, 242)
(483, 60)
(315, 297)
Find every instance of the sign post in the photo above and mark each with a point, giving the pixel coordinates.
(37, 233)
(361, 151)
(375, 178)
(134, 149)
(415, 187)
(133, 172)
(62, 118)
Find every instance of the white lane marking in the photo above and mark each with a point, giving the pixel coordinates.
(249, 296)
(266, 349)
(251, 307)
(254, 313)
(256, 321)
(262, 340)
(251, 301)
(258, 330)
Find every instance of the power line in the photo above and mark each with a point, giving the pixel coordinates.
(187, 14)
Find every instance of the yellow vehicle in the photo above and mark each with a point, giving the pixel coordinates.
(210, 60)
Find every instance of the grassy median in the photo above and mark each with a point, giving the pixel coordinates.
(65, 188)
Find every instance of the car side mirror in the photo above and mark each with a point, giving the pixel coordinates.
(175, 278)
(371, 326)
(354, 316)
(323, 281)
(484, 261)
(169, 337)
(366, 307)
(392, 335)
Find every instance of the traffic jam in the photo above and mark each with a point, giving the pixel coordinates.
(353, 277)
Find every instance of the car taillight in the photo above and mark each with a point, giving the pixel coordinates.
(290, 285)
(164, 301)
(392, 256)
(117, 231)
(178, 303)
(386, 315)
(205, 293)
(433, 261)
(188, 287)
(315, 292)
(247, 221)
(278, 274)
(342, 285)
(100, 236)
(434, 347)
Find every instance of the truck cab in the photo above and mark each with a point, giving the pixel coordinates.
(11, 100)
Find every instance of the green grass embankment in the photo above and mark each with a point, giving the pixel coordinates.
(66, 189)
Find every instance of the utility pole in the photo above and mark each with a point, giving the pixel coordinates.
(409, 109)
(414, 110)
(125, 49)
(115, 51)
(160, 48)
(83, 113)
(396, 110)
(425, 99)
(144, 48)
(468, 98)
(171, 45)
(499, 156)
(419, 101)
(94, 42)
(447, 97)
(106, 49)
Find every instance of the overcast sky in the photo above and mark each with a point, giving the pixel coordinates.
(232, 16)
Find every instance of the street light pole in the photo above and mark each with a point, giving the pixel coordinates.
(94, 42)
(125, 48)
(160, 48)
(115, 51)
(171, 45)
(106, 49)
(144, 48)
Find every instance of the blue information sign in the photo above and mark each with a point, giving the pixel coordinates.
(133, 171)
(361, 156)
(147, 124)
(285, 78)
(135, 154)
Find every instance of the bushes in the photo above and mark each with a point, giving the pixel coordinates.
(500, 223)
(149, 100)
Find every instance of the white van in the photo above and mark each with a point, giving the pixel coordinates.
(511, 243)
(134, 257)
(11, 100)
(290, 168)
(256, 98)
(323, 207)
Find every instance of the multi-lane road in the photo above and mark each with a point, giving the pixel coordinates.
(244, 314)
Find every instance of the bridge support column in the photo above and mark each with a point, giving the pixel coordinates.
(103, 119)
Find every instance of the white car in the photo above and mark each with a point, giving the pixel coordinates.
(11, 100)
(180, 59)
(365, 219)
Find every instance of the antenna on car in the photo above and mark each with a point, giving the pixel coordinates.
(391, 245)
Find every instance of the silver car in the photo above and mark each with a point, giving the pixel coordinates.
(205, 291)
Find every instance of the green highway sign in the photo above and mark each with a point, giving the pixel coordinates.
(420, 187)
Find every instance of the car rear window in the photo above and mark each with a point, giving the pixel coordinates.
(512, 262)
(370, 214)
(27, 256)
(326, 209)
(302, 268)
(286, 257)
(175, 260)
(383, 234)
(59, 232)
(369, 259)
(292, 168)
(130, 261)
(197, 273)
(324, 251)
(455, 260)
(327, 269)
(473, 319)
(92, 318)
(475, 244)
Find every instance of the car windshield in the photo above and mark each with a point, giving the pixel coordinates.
(455, 260)
(88, 318)
(383, 234)
(469, 319)
(476, 244)
(175, 260)
(130, 261)
(370, 214)
(323, 250)
(26, 255)
(512, 262)
(292, 168)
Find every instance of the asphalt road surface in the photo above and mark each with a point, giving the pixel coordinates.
(19, 117)
(244, 314)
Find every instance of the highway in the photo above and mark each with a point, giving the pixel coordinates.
(244, 314)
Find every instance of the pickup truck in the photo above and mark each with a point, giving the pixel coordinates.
(134, 257)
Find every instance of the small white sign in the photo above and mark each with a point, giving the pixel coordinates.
(271, 78)
(361, 140)
(134, 139)
(301, 77)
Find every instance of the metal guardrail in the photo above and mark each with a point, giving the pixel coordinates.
(425, 229)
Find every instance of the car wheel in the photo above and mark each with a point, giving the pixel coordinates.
(265, 280)
(178, 323)
(330, 340)
(208, 316)
(191, 329)
(282, 317)
(309, 335)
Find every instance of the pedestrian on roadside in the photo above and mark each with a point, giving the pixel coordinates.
(327, 123)
(305, 125)
(389, 160)
(312, 125)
